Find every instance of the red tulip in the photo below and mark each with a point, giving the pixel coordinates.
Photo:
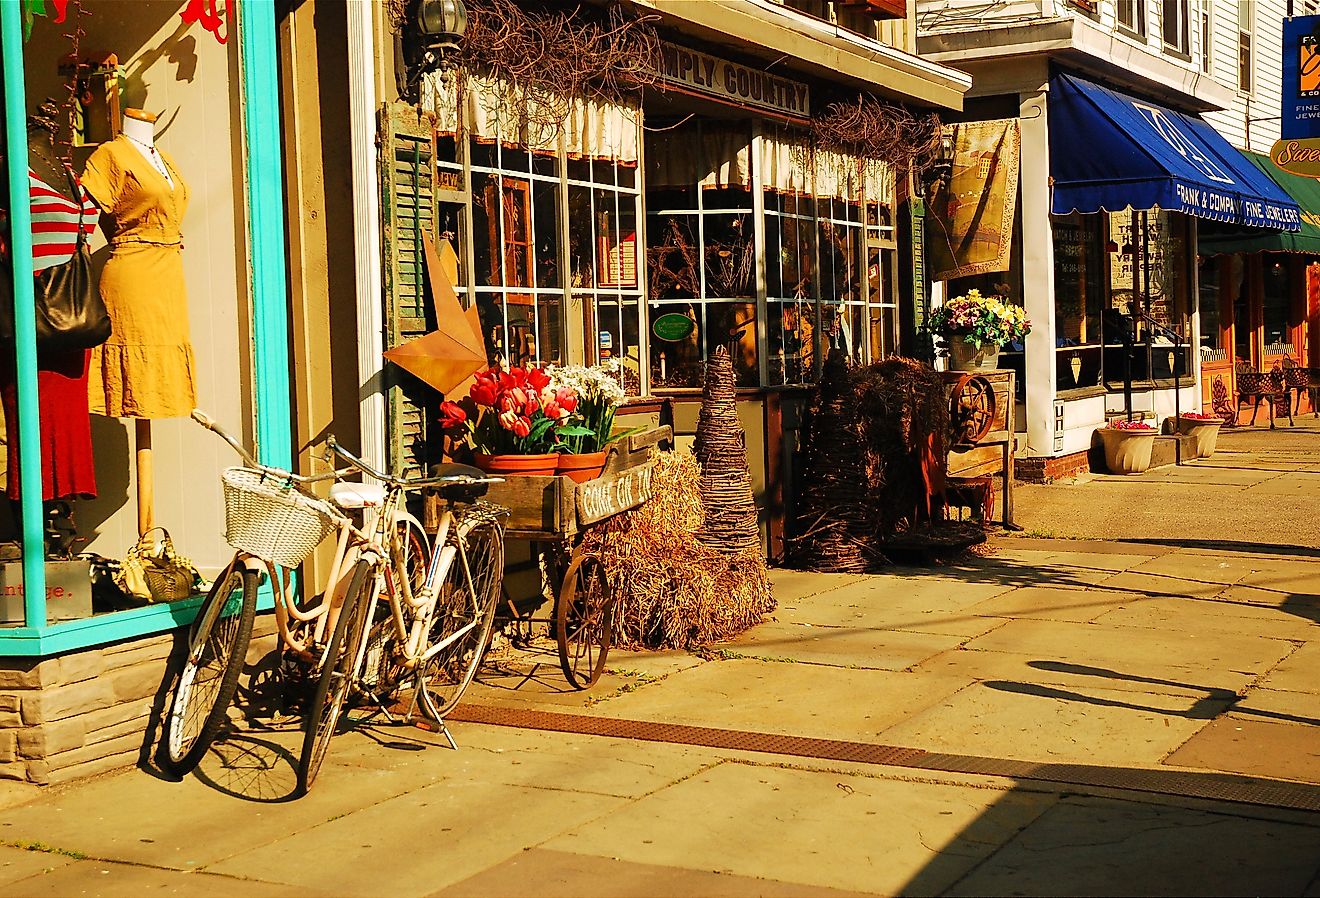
(484, 391)
(521, 426)
(537, 379)
(531, 407)
(567, 399)
(451, 415)
(554, 410)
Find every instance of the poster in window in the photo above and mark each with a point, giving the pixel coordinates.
(618, 261)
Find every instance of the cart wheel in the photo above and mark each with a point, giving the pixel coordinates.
(584, 620)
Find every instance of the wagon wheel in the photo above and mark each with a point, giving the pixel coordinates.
(971, 409)
(584, 619)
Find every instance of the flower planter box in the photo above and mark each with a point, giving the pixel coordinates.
(964, 356)
(1127, 451)
(1204, 430)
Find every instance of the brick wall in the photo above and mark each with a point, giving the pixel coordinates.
(86, 712)
(1047, 470)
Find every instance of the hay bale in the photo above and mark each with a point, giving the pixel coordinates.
(675, 592)
(731, 522)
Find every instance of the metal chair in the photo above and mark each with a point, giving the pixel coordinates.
(1303, 380)
(1254, 386)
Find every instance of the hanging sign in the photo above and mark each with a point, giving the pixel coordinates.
(1301, 78)
(731, 82)
(674, 327)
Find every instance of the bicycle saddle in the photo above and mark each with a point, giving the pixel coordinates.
(460, 491)
(357, 495)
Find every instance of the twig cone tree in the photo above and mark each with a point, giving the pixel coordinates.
(730, 521)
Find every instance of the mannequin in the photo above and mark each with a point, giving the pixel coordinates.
(146, 369)
(58, 203)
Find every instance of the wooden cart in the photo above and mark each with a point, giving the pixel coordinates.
(553, 513)
(984, 442)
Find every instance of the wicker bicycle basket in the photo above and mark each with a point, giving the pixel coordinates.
(269, 517)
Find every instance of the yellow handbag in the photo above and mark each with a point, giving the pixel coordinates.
(154, 571)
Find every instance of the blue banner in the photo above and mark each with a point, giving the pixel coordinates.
(1301, 78)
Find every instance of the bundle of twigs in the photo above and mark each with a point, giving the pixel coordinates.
(836, 522)
(871, 128)
(873, 463)
(675, 592)
(730, 523)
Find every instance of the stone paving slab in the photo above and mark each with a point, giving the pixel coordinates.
(1200, 568)
(542, 873)
(419, 842)
(844, 832)
(1212, 660)
(789, 584)
(1103, 847)
(777, 697)
(114, 880)
(1030, 721)
(1053, 603)
(1240, 743)
(18, 864)
(920, 607)
(1283, 707)
(843, 646)
(1015, 667)
(1204, 616)
(1299, 672)
(1160, 585)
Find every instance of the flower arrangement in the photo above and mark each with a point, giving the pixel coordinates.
(1198, 416)
(598, 393)
(1139, 426)
(517, 412)
(981, 320)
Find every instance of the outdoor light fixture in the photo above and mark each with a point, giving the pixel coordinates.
(940, 171)
(442, 23)
(432, 28)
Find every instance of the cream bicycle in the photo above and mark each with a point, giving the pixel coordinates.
(392, 610)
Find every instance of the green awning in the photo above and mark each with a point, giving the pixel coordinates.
(1216, 238)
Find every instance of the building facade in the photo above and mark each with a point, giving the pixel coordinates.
(1106, 268)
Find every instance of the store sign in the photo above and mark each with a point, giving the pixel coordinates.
(674, 327)
(611, 494)
(1297, 157)
(732, 83)
(1301, 78)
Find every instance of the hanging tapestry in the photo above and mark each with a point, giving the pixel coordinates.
(970, 220)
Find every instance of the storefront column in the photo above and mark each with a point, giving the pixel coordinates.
(25, 317)
(1038, 267)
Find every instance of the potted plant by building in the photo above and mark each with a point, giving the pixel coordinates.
(517, 421)
(1127, 446)
(1203, 428)
(598, 394)
(973, 327)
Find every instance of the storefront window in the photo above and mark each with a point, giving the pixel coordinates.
(1277, 298)
(1079, 296)
(124, 166)
(1212, 339)
(701, 253)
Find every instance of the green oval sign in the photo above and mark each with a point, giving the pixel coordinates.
(673, 327)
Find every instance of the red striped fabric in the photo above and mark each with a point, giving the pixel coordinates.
(55, 223)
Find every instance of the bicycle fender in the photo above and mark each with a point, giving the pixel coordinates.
(405, 517)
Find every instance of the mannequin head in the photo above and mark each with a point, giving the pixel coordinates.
(140, 125)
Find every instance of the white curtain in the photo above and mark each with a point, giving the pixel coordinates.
(789, 165)
(498, 110)
(710, 156)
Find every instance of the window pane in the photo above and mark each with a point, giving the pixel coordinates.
(672, 256)
(546, 202)
(730, 256)
(1212, 345)
(733, 325)
(1278, 294)
(676, 363)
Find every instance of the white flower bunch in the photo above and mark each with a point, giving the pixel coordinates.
(599, 384)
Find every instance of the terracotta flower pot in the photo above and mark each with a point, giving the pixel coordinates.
(581, 468)
(964, 356)
(517, 465)
(1127, 451)
(1206, 433)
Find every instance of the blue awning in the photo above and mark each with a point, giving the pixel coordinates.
(1110, 151)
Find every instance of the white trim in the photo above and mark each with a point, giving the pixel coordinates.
(367, 236)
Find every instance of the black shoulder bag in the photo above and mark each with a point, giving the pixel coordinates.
(70, 312)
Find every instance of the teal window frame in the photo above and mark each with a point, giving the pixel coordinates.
(264, 201)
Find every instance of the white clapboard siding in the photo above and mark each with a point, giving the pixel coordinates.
(1263, 103)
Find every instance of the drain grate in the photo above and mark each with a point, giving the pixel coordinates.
(1209, 786)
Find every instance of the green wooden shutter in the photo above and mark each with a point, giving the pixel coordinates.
(408, 210)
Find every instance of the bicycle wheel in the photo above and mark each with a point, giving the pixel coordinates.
(335, 679)
(441, 680)
(584, 621)
(217, 648)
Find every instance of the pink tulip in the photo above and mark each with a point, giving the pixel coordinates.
(508, 420)
(521, 426)
(567, 399)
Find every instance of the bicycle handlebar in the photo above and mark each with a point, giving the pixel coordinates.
(332, 446)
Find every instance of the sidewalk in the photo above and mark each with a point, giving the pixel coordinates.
(1127, 715)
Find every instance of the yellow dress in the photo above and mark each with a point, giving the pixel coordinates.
(146, 368)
